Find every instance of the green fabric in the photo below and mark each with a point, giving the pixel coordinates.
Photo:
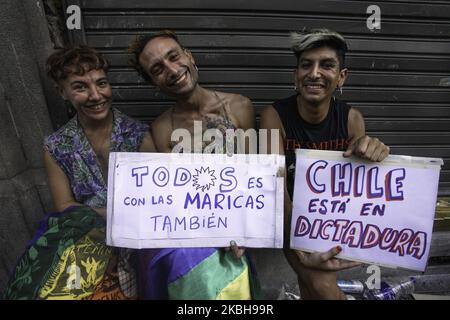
(208, 274)
(38, 264)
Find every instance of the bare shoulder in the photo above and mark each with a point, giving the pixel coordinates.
(161, 129)
(240, 109)
(238, 101)
(355, 126)
(270, 119)
(163, 119)
(269, 112)
(354, 115)
(235, 101)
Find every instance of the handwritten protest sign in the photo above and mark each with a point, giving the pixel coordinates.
(379, 213)
(158, 200)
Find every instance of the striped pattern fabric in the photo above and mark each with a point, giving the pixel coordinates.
(68, 260)
(197, 274)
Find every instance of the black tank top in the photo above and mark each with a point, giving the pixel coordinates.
(330, 134)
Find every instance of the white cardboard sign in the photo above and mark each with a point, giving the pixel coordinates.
(166, 200)
(379, 213)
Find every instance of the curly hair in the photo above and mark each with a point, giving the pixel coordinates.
(75, 60)
(138, 45)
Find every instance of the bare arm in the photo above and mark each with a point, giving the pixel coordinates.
(313, 282)
(362, 145)
(355, 125)
(161, 132)
(243, 111)
(59, 184)
(147, 144)
(271, 122)
(242, 115)
(60, 187)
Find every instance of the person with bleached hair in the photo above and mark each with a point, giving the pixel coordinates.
(313, 118)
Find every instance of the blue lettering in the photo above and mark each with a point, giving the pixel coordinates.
(211, 222)
(234, 202)
(206, 201)
(156, 221)
(167, 223)
(259, 184)
(217, 202)
(398, 175)
(182, 177)
(181, 222)
(191, 201)
(134, 201)
(139, 173)
(323, 207)
(373, 190)
(194, 222)
(223, 222)
(231, 182)
(161, 177)
(260, 204)
(312, 205)
(249, 202)
(250, 183)
(341, 178)
(311, 176)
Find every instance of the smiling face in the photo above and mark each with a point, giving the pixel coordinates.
(90, 94)
(170, 67)
(318, 74)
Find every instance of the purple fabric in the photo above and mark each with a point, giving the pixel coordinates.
(73, 153)
(43, 225)
(160, 267)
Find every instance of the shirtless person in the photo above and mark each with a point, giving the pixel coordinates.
(165, 63)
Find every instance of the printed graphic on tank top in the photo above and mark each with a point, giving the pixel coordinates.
(330, 134)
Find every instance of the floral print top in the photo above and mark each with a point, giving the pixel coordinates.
(72, 151)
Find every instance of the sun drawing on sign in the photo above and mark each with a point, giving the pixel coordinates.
(204, 179)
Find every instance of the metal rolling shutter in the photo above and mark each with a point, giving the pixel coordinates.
(399, 75)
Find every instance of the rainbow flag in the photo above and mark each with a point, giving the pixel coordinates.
(67, 259)
(198, 274)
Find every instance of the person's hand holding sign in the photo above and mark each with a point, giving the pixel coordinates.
(317, 272)
(237, 251)
(368, 148)
(325, 261)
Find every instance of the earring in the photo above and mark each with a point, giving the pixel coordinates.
(195, 66)
(295, 88)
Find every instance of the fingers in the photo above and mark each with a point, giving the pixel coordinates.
(369, 148)
(357, 147)
(384, 154)
(360, 146)
(375, 150)
(325, 256)
(301, 256)
(339, 264)
(345, 264)
(237, 251)
(348, 152)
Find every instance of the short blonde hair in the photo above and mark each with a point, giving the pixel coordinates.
(316, 38)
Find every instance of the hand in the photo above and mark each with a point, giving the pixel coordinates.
(237, 251)
(368, 148)
(316, 272)
(325, 261)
